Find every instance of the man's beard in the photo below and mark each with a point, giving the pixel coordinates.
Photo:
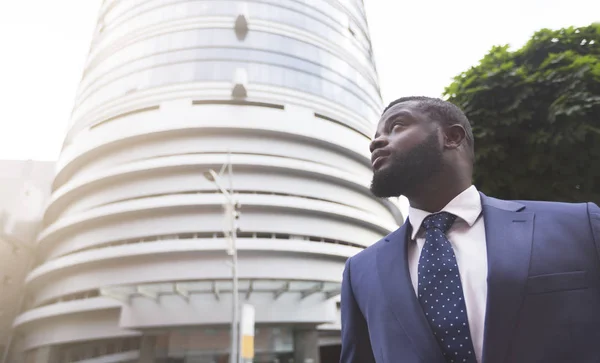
(403, 173)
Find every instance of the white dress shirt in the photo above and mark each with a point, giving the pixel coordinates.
(467, 236)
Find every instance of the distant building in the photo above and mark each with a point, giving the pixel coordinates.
(24, 190)
(133, 250)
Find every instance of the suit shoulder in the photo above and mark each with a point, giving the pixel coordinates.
(371, 251)
(542, 208)
(554, 207)
(368, 252)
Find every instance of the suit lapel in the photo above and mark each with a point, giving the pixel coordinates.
(392, 268)
(509, 235)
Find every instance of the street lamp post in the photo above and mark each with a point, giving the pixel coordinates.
(231, 207)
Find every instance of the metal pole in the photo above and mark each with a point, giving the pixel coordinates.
(231, 212)
(235, 356)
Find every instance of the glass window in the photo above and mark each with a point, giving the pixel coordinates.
(325, 65)
(150, 59)
(337, 9)
(222, 71)
(332, 30)
(330, 23)
(196, 344)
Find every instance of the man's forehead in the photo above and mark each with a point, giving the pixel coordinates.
(409, 108)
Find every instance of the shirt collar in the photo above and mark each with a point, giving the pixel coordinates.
(466, 206)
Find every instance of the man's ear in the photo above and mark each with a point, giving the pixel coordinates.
(454, 136)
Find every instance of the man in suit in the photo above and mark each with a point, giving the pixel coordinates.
(467, 278)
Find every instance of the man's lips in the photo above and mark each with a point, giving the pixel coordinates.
(379, 162)
(378, 158)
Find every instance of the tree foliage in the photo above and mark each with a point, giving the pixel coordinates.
(535, 114)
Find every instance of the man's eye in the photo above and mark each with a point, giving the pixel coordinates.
(397, 124)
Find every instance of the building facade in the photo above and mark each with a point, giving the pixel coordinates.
(133, 263)
(24, 190)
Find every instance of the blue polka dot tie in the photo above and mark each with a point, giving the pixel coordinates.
(440, 291)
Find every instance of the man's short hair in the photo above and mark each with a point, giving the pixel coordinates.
(443, 112)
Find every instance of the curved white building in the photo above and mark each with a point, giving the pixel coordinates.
(133, 261)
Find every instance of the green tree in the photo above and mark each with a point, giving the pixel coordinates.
(536, 116)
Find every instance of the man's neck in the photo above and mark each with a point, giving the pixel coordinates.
(433, 198)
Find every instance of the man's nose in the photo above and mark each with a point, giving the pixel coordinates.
(378, 142)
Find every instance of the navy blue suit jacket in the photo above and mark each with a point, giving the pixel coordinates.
(543, 302)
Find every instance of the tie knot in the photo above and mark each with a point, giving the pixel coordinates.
(442, 221)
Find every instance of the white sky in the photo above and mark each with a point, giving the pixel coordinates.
(419, 46)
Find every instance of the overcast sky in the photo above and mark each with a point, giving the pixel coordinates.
(419, 46)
